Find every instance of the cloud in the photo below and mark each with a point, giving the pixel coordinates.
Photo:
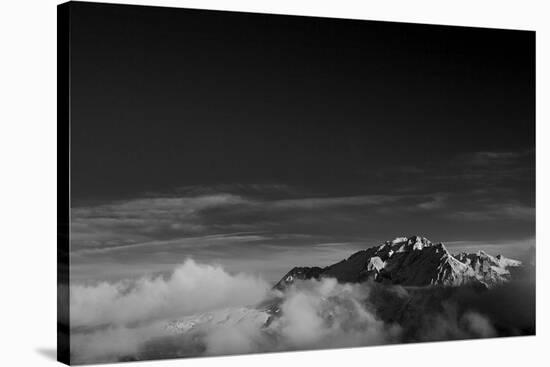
(265, 254)
(155, 219)
(328, 202)
(451, 324)
(112, 343)
(315, 314)
(184, 220)
(203, 310)
(190, 288)
(205, 240)
(488, 158)
(494, 170)
(437, 201)
(242, 228)
(326, 314)
(496, 159)
(493, 211)
(137, 220)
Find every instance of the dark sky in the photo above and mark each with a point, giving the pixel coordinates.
(300, 131)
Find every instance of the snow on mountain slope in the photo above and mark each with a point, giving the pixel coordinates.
(411, 261)
(230, 317)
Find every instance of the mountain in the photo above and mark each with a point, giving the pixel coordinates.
(411, 261)
(419, 292)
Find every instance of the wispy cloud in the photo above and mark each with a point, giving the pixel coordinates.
(487, 158)
(266, 254)
(492, 212)
(327, 202)
(437, 201)
(133, 222)
(269, 228)
(206, 240)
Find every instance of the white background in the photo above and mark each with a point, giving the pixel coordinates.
(28, 181)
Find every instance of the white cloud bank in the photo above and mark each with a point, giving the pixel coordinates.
(189, 289)
(217, 313)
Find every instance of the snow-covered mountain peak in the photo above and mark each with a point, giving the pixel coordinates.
(412, 261)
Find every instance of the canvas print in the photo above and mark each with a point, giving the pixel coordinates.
(237, 183)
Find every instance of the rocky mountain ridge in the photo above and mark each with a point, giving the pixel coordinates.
(412, 261)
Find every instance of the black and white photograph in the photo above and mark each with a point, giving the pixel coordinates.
(241, 183)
